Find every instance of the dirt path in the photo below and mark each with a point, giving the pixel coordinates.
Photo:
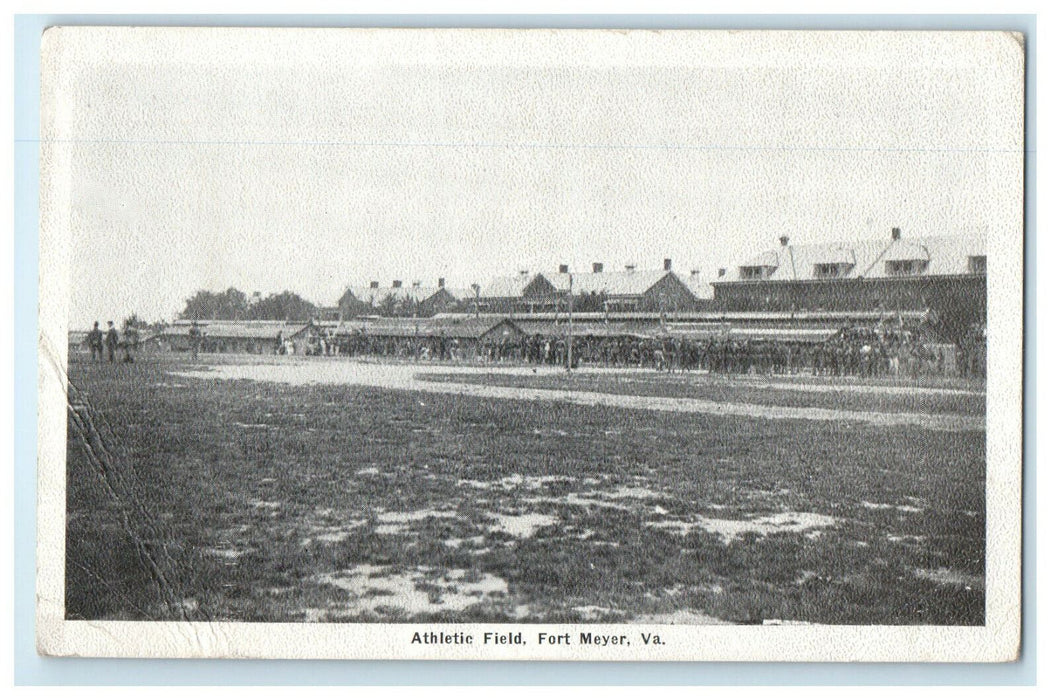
(814, 385)
(409, 378)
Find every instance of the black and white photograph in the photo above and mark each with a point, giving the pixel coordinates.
(531, 344)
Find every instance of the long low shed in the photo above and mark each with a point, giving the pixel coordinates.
(255, 337)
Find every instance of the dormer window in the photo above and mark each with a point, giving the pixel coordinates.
(829, 271)
(906, 268)
(755, 272)
(978, 265)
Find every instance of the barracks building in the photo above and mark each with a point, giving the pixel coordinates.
(944, 276)
(627, 290)
(399, 300)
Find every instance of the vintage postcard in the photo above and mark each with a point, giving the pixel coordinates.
(530, 344)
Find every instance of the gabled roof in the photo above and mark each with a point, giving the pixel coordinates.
(946, 255)
(505, 287)
(627, 283)
(374, 295)
(448, 326)
(767, 258)
(613, 284)
(461, 293)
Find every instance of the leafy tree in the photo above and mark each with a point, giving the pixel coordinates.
(387, 305)
(407, 307)
(286, 306)
(233, 305)
(230, 305)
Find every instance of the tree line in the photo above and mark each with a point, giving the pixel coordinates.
(234, 305)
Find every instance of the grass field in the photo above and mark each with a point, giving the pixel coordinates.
(191, 496)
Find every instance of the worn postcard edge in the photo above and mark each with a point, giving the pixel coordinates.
(998, 640)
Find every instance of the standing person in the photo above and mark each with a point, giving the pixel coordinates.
(130, 341)
(112, 340)
(196, 339)
(95, 342)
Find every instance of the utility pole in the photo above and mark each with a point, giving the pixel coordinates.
(569, 343)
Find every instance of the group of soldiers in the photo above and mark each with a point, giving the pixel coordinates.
(973, 351)
(853, 351)
(112, 341)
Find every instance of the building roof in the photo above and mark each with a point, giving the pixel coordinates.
(506, 286)
(448, 326)
(625, 283)
(461, 293)
(947, 255)
(599, 329)
(258, 330)
(615, 284)
(374, 295)
(944, 255)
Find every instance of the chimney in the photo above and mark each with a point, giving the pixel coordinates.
(695, 273)
(440, 282)
(596, 267)
(784, 241)
(668, 264)
(396, 284)
(630, 267)
(374, 284)
(523, 273)
(416, 284)
(721, 272)
(896, 234)
(563, 269)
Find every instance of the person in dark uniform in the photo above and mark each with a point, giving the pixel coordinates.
(112, 340)
(95, 342)
(196, 339)
(129, 342)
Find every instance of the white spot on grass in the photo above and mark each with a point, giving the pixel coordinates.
(947, 577)
(265, 505)
(631, 492)
(412, 592)
(595, 612)
(729, 530)
(914, 539)
(394, 523)
(515, 481)
(607, 499)
(229, 553)
(521, 526)
(888, 506)
(370, 471)
(458, 542)
(333, 534)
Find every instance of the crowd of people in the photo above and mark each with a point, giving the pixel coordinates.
(852, 351)
(861, 351)
(973, 351)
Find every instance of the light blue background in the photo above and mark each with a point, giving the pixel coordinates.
(31, 669)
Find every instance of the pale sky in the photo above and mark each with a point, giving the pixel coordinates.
(312, 159)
